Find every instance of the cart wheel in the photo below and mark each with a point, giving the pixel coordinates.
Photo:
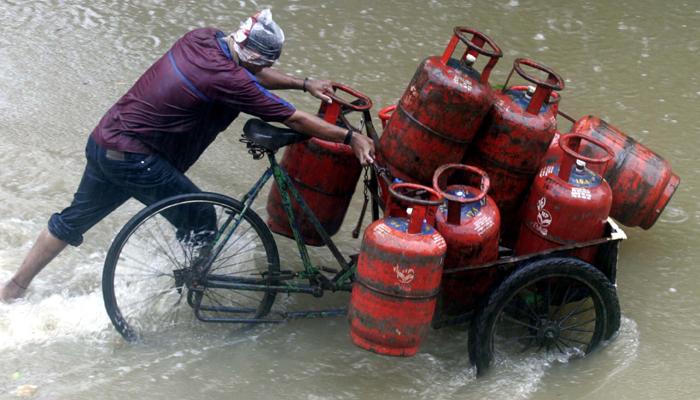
(555, 305)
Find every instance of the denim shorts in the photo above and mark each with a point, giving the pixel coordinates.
(108, 182)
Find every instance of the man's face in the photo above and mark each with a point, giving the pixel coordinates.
(253, 68)
(252, 60)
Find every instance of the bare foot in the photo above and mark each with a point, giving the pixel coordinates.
(11, 291)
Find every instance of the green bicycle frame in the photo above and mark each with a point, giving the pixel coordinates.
(340, 281)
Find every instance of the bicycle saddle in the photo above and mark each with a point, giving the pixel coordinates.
(269, 137)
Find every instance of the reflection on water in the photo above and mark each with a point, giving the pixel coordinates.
(63, 63)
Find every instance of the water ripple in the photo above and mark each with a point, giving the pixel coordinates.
(674, 215)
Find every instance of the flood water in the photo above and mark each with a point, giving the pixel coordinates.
(63, 63)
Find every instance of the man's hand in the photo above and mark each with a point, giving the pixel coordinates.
(363, 148)
(320, 88)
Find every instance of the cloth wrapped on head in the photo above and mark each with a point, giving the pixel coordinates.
(259, 39)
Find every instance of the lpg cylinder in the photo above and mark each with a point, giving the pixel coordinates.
(641, 180)
(398, 275)
(470, 224)
(568, 202)
(324, 173)
(440, 111)
(515, 137)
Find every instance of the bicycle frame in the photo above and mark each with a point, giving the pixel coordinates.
(318, 282)
(288, 281)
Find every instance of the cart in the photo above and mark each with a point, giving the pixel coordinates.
(212, 255)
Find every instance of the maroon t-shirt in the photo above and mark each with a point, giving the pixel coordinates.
(182, 102)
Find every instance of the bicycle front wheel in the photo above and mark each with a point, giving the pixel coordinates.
(158, 266)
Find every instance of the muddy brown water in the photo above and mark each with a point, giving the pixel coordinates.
(63, 63)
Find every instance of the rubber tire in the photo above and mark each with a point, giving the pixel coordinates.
(483, 324)
(113, 255)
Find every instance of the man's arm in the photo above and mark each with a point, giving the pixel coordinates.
(303, 122)
(272, 79)
(275, 80)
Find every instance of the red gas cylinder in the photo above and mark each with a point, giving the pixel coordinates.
(324, 173)
(398, 275)
(568, 202)
(514, 140)
(641, 180)
(440, 111)
(470, 224)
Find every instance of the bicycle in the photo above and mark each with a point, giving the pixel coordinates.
(216, 254)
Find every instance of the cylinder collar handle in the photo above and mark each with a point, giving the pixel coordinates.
(386, 113)
(423, 209)
(332, 111)
(475, 46)
(454, 202)
(570, 144)
(544, 87)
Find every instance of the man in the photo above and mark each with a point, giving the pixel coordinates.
(157, 130)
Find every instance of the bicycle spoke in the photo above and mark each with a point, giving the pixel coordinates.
(145, 271)
(566, 328)
(167, 254)
(162, 249)
(223, 260)
(240, 235)
(579, 330)
(556, 343)
(134, 260)
(578, 313)
(521, 323)
(548, 299)
(565, 300)
(243, 249)
(149, 298)
(213, 296)
(145, 275)
(573, 340)
(518, 311)
(533, 312)
(575, 311)
(518, 340)
(229, 266)
(228, 246)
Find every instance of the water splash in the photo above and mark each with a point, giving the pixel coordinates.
(54, 318)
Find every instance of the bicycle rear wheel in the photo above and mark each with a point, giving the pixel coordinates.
(158, 268)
